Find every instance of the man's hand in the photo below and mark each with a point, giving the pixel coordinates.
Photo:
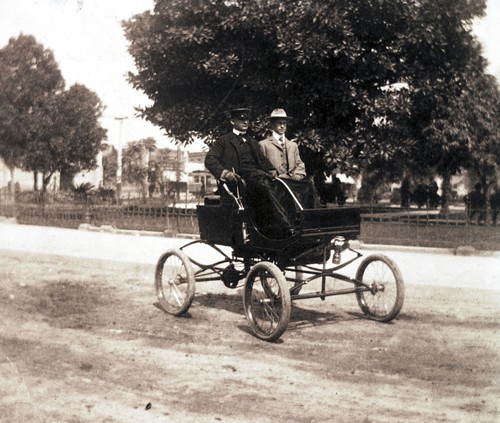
(229, 176)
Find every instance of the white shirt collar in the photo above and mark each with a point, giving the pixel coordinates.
(238, 132)
(278, 136)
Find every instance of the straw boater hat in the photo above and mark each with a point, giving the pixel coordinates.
(279, 114)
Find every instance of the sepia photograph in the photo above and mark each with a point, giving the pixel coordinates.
(249, 211)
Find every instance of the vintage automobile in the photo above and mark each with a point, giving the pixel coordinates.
(274, 271)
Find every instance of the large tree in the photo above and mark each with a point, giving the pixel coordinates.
(479, 112)
(333, 67)
(447, 65)
(29, 77)
(44, 128)
(66, 135)
(81, 123)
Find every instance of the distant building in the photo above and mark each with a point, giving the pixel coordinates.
(201, 181)
(187, 169)
(195, 161)
(95, 176)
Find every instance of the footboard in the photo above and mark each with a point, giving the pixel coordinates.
(342, 221)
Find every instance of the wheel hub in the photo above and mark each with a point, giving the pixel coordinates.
(377, 287)
(177, 280)
(230, 276)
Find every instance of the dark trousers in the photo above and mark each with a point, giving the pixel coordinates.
(273, 208)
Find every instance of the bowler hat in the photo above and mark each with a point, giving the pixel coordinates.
(241, 113)
(279, 114)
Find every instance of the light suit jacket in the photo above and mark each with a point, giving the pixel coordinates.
(280, 157)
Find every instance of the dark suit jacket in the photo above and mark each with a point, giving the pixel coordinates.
(225, 154)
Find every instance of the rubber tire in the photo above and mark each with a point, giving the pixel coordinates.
(184, 270)
(269, 319)
(369, 302)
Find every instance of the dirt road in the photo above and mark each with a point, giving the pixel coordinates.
(82, 341)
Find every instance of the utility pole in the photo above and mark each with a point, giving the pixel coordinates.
(178, 173)
(120, 119)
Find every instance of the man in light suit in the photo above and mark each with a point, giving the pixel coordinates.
(284, 155)
(281, 152)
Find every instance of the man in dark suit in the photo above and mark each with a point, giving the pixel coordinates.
(237, 155)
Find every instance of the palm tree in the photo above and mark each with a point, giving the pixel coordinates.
(135, 162)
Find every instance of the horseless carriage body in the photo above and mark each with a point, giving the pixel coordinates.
(274, 271)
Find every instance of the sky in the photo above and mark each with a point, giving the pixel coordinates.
(89, 45)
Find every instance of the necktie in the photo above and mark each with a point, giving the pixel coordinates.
(282, 141)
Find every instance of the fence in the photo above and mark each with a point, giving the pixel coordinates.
(137, 217)
(428, 228)
(380, 225)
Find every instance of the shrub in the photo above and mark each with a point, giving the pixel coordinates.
(83, 192)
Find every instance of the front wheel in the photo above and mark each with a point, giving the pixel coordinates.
(174, 282)
(267, 301)
(384, 300)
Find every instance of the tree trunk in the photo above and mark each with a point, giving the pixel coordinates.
(12, 185)
(144, 166)
(66, 181)
(445, 193)
(35, 181)
(483, 180)
(45, 181)
(178, 174)
(485, 188)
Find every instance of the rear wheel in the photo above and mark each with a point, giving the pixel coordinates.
(267, 301)
(174, 282)
(384, 300)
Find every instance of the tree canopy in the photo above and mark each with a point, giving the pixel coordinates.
(136, 157)
(70, 135)
(479, 113)
(43, 127)
(29, 78)
(369, 83)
